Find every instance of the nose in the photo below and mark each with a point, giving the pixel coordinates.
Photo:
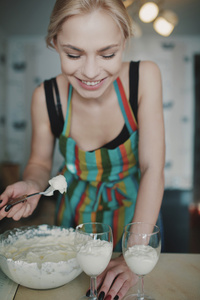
(91, 67)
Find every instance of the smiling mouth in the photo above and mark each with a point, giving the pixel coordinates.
(91, 83)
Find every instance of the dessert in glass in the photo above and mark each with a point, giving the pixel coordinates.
(141, 246)
(94, 246)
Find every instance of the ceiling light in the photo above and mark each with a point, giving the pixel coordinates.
(165, 23)
(148, 12)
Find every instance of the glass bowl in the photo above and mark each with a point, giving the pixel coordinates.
(39, 257)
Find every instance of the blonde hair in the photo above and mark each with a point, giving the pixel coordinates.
(64, 9)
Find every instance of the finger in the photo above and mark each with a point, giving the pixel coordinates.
(6, 195)
(3, 200)
(122, 284)
(24, 212)
(108, 281)
(102, 276)
(28, 207)
(8, 192)
(15, 210)
(19, 214)
(117, 285)
(4, 213)
(124, 289)
(27, 211)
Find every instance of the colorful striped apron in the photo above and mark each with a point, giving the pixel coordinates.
(102, 184)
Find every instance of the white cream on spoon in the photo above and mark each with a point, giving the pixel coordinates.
(58, 183)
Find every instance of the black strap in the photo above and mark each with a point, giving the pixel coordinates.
(133, 86)
(55, 115)
(58, 103)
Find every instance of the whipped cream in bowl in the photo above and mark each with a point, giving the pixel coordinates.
(39, 257)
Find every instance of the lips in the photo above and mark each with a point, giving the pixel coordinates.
(91, 85)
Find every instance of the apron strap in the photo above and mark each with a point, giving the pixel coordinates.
(66, 128)
(125, 106)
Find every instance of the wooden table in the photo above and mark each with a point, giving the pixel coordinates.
(175, 277)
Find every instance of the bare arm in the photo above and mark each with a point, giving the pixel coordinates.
(37, 171)
(151, 144)
(40, 162)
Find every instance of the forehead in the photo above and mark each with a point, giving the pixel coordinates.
(96, 28)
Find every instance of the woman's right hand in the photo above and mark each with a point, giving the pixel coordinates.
(21, 210)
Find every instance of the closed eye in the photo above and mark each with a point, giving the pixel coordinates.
(72, 56)
(108, 56)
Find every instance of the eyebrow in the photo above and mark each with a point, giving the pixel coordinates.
(72, 47)
(108, 47)
(81, 50)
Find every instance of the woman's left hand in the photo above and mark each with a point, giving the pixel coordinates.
(116, 280)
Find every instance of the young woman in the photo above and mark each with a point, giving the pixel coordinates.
(108, 117)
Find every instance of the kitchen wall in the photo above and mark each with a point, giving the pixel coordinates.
(175, 57)
(26, 62)
(2, 91)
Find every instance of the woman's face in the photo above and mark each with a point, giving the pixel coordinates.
(90, 48)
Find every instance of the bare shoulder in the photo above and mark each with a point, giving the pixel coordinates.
(38, 97)
(38, 106)
(148, 68)
(38, 93)
(149, 79)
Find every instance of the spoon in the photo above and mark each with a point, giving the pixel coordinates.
(48, 192)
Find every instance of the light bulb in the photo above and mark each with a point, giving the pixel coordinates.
(165, 23)
(148, 12)
(162, 26)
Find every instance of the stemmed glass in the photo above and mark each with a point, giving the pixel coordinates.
(141, 246)
(94, 246)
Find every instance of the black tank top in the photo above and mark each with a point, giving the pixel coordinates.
(55, 110)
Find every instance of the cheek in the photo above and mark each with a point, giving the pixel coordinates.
(115, 65)
(67, 66)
